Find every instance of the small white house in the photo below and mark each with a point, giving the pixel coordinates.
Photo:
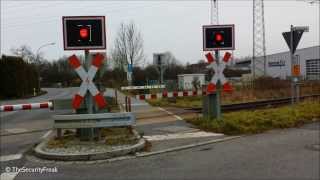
(185, 81)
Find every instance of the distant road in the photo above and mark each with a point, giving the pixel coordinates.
(31, 120)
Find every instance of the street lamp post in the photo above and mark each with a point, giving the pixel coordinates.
(37, 59)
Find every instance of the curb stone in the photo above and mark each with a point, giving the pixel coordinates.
(186, 146)
(38, 152)
(138, 155)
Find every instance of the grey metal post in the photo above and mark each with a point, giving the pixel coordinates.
(291, 57)
(161, 74)
(211, 103)
(218, 104)
(298, 92)
(88, 99)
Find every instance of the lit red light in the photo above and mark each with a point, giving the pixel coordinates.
(84, 33)
(218, 37)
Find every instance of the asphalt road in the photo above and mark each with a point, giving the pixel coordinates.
(33, 120)
(25, 121)
(279, 154)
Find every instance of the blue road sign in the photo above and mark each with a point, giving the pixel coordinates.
(130, 68)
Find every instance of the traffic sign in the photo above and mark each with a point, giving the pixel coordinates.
(218, 37)
(130, 69)
(84, 32)
(159, 59)
(218, 73)
(296, 38)
(87, 81)
(296, 70)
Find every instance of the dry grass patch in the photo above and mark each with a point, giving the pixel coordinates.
(250, 122)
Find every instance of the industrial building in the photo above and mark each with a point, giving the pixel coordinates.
(279, 64)
(186, 81)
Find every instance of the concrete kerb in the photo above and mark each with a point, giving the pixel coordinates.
(137, 155)
(186, 146)
(38, 152)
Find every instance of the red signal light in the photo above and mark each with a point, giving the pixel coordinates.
(218, 37)
(84, 33)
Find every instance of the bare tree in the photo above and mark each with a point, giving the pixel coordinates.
(171, 59)
(128, 48)
(26, 53)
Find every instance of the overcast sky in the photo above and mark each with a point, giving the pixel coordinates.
(174, 26)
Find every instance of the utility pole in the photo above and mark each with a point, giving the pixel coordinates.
(214, 98)
(259, 41)
(214, 13)
(37, 59)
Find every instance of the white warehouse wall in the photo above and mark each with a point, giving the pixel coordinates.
(283, 58)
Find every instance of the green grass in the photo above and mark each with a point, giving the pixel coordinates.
(251, 122)
(110, 136)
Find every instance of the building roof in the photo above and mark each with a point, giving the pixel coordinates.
(301, 49)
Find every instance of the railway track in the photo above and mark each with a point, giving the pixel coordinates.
(259, 104)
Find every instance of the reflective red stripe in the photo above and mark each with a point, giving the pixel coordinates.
(175, 94)
(226, 57)
(194, 93)
(209, 57)
(74, 61)
(185, 93)
(8, 108)
(153, 96)
(76, 102)
(227, 87)
(44, 105)
(142, 97)
(165, 94)
(26, 106)
(100, 100)
(98, 59)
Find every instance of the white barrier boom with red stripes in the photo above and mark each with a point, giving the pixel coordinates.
(170, 94)
(16, 107)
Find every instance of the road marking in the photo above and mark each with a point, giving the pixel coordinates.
(8, 175)
(178, 117)
(16, 130)
(10, 157)
(170, 113)
(181, 136)
(46, 134)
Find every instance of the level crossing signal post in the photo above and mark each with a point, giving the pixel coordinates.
(212, 102)
(85, 33)
(216, 38)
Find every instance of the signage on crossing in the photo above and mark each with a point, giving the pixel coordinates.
(218, 37)
(84, 32)
(218, 73)
(296, 39)
(87, 81)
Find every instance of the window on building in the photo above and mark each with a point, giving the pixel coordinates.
(313, 69)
